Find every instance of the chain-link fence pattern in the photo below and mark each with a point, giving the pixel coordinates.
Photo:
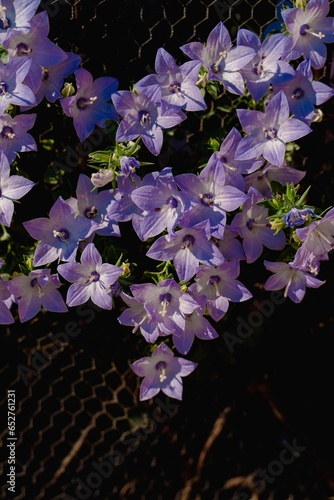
(81, 432)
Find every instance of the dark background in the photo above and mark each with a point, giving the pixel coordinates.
(77, 399)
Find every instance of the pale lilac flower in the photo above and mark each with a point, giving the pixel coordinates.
(165, 304)
(187, 248)
(220, 286)
(38, 289)
(90, 278)
(162, 203)
(12, 89)
(210, 197)
(252, 225)
(222, 61)
(310, 30)
(261, 179)
(59, 234)
(15, 16)
(89, 106)
(318, 237)
(234, 169)
(12, 187)
(303, 93)
(162, 371)
(265, 68)
(145, 115)
(291, 278)
(128, 165)
(268, 132)
(95, 206)
(53, 78)
(14, 137)
(35, 45)
(178, 84)
(6, 317)
(136, 316)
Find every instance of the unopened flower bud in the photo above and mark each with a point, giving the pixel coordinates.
(102, 177)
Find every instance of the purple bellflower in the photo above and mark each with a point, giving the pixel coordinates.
(12, 90)
(318, 237)
(15, 15)
(89, 106)
(162, 371)
(178, 84)
(303, 93)
(222, 61)
(261, 180)
(291, 278)
(165, 304)
(14, 137)
(36, 46)
(145, 115)
(220, 286)
(53, 78)
(234, 169)
(268, 132)
(162, 204)
(90, 278)
(187, 248)
(94, 206)
(12, 187)
(6, 317)
(265, 68)
(297, 217)
(210, 197)
(253, 227)
(59, 234)
(38, 289)
(135, 315)
(310, 30)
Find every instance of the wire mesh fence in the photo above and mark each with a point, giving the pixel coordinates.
(247, 428)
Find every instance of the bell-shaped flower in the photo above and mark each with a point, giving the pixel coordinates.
(178, 84)
(90, 106)
(162, 371)
(293, 279)
(145, 115)
(210, 197)
(36, 46)
(252, 225)
(12, 89)
(15, 16)
(187, 248)
(268, 132)
(265, 68)
(12, 187)
(38, 289)
(14, 137)
(310, 29)
(222, 61)
(90, 278)
(59, 234)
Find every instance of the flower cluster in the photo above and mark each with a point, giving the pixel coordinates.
(201, 225)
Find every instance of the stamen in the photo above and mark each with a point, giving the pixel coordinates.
(34, 283)
(270, 133)
(93, 277)
(91, 212)
(165, 299)
(187, 241)
(22, 49)
(3, 19)
(213, 282)
(175, 88)
(161, 368)
(305, 29)
(7, 132)
(144, 118)
(207, 199)
(84, 103)
(3, 88)
(63, 234)
(215, 65)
